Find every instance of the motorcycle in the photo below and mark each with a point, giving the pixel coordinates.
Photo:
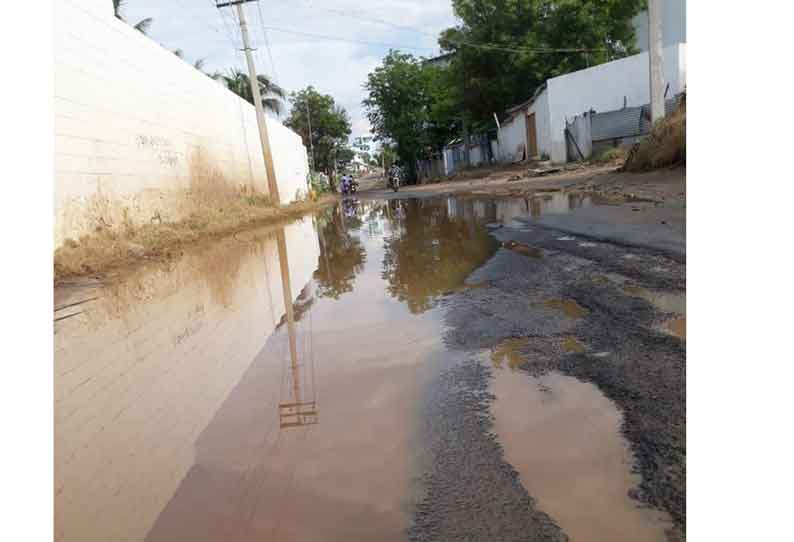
(394, 182)
(349, 186)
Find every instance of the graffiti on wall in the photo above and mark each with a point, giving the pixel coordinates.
(161, 148)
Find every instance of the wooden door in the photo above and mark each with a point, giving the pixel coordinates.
(532, 137)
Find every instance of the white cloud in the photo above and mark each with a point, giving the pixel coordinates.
(333, 67)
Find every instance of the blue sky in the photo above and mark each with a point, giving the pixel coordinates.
(334, 67)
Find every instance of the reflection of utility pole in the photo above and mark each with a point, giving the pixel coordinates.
(296, 412)
(272, 185)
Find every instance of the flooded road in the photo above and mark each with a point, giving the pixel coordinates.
(181, 412)
(193, 403)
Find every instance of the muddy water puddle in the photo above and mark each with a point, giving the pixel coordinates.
(563, 437)
(671, 302)
(193, 403)
(269, 387)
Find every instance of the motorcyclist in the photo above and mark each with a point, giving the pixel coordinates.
(395, 174)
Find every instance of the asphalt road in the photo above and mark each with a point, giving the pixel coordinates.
(625, 269)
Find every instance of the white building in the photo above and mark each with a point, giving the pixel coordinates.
(536, 128)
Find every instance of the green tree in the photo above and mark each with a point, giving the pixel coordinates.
(386, 156)
(330, 126)
(405, 106)
(141, 26)
(240, 84)
(504, 49)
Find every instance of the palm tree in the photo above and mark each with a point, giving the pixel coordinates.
(141, 26)
(240, 84)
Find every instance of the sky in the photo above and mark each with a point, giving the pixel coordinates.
(338, 68)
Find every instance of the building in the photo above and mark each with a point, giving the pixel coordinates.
(536, 128)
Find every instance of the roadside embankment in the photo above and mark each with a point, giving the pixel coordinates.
(109, 248)
(665, 146)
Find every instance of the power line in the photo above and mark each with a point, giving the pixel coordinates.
(418, 47)
(267, 43)
(485, 46)
(336, 38)
(342, 13)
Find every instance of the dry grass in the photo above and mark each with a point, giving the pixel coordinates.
(111, 248)
(609, 156)
(665, 145)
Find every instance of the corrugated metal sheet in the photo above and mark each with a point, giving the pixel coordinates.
(626, 122)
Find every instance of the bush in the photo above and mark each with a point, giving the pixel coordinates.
(318, 185)
(610, 155)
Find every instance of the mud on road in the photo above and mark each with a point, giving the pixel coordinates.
(618, 340)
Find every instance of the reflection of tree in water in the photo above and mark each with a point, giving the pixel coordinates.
(342, 256)
(430, 252)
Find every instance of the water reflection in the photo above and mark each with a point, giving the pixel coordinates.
(186, 395)
(505, 210)
(342, 255)
(298, 409)
(142, 370)
(431, 250)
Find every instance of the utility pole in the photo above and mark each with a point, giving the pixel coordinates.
(655, 59)
(309, 120)
(272, 185)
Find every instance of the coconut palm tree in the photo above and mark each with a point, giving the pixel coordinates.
(141, 26)
(272, 94)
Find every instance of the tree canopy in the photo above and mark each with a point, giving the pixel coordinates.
(501, 51)
(239, 83)
(504, 49)
(141, 26)
(330, 126)
(407, 105)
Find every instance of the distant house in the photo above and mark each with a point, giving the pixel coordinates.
(536, 128)
(482, 150)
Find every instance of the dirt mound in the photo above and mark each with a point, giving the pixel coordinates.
(664, 146)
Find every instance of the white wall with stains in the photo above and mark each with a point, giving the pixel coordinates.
(137, 129)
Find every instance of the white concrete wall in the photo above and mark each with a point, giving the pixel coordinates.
(136, 128)
(512, 138)
(513, 134)
(604, 87)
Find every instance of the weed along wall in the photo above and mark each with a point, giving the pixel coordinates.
(141, 135)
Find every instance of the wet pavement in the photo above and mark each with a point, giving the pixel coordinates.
(444, 369)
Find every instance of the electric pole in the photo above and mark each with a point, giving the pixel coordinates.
(309, 120)
(272, 185)
(655, 59)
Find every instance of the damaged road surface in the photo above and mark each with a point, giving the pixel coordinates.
(442, 369)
